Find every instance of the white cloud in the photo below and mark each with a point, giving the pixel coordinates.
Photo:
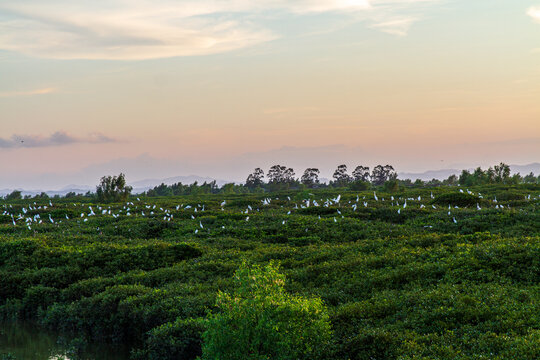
(396, 17)
(396, 26)
(534, 12)
(26, 93)
(144, 29)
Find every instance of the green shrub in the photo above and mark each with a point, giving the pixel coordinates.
(391, 186)
(181, 339)
(38, 297)
(456, 199)
(359, 185)
(260, 321)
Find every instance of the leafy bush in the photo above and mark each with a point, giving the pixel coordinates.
(456, 199)
(391, 185)
(181, 339)
(359, 185)
(260, 321)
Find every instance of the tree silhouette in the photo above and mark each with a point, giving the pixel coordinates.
(280, 174)
(341, 176)
(310, 177)
(113, 189)
(255, 179)
(361, 173)
(382, 174)
(502, 173)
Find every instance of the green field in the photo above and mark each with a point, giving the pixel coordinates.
(433, 273)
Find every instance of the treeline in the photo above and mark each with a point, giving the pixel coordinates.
(281, 177)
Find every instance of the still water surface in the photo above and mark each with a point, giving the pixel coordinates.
(26, 341)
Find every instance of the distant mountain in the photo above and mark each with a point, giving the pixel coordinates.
(62, 192)
(445, 173)
(526, 169)
(138, 186)
(429, 175)
(146, 184)
(77, 188)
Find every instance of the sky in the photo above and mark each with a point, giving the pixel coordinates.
(218, 87)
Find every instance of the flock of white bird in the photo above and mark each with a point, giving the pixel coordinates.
(144, 209)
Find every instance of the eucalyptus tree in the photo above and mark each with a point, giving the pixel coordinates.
(310, 177)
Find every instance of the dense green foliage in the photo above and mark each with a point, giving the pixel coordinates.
(420, 281)
(261, 321)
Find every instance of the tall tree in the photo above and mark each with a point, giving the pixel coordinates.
(310, 177)
(255, 179)
(382, 174)
(113, 189)
(280, 174)
(502, 173)
(341, 176)
(361, 173)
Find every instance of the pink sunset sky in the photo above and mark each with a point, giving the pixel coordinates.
(215, 88)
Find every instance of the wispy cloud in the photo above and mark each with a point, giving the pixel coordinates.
(58, 138)
(144, 29)
(27, 93)
(396, 17)
(534, 12)
(395, 26)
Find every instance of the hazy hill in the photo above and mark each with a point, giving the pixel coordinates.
(445, 173)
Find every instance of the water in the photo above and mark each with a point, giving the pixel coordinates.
(26, 341)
